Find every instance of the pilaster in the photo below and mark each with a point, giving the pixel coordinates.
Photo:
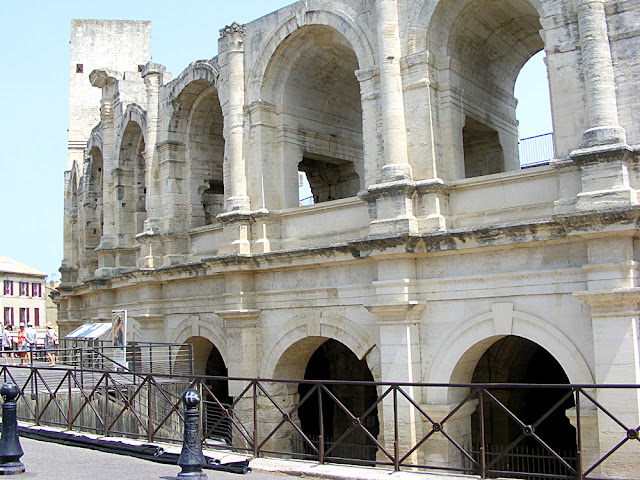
(614, 317)
(398, 316)
(153, 76)
(107, 82)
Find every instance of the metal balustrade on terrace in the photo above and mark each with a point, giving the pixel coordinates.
(537, 150)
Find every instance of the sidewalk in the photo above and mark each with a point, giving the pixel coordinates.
(47, 460)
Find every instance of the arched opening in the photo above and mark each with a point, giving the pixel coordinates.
(535, 125)
(311, 78)
(514, 359)
(480, 47)
(198, 124)
(92, 222)
(208, 361)
(334, 361)
(131, 190)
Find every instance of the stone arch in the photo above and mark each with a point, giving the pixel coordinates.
(311, 80)
(478, 48)
(95, 139)
(133, 114)
(90, 207)
(421, 16)
(198, 71)
(196, 133)
(316, 328)
(461, 348)
(340, 17)
(199, 329)
(131, 184)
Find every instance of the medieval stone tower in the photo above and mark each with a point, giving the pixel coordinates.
(428, 253)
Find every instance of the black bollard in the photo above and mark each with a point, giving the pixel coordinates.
(191, 458)
(10, 449)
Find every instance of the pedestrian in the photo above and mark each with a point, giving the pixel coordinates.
(31, 336)
(22, 345)
(7, 344)
(51, 342)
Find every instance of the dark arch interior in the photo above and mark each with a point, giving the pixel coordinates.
(212, 412)
(515, 359)
(334, 361)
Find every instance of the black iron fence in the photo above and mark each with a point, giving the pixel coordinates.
(402, 428)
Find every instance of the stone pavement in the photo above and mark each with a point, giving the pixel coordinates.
(48, 460)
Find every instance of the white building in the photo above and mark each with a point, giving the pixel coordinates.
(23, 294)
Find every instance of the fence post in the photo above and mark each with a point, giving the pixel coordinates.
(106, 406)
(578, 437)
(170, 362)
(190, 358)
(255, 418)
(483, 453)
(70, 411)
(34, 395)
(149, 412)
(321, 430)
(396, 447)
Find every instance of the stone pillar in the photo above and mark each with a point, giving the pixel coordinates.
(603, 156)
(399, 325)
(241, 331)
(107, 81)
(69, 264)
(394, 130)
(438, 450)
(234, 120)
(391, 197)
(149, 239)
(369, 80)
(613, 298)
(236, 221)
(124, 249)
(597, 66)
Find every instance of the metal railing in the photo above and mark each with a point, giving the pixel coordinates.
(537, 150)
(265, 419)
(139, 357)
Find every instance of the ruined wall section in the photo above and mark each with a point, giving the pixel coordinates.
(119, 45)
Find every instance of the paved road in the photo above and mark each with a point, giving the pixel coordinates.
(46, 460)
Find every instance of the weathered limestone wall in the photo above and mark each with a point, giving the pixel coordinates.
(427, 243)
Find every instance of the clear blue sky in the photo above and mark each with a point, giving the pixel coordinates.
(34, 115)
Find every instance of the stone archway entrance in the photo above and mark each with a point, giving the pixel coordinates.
(208, 361)
(334, 361)
(514, 359)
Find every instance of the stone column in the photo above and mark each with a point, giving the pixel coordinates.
(237, 218)
(151, 245)
(394, 130)
(234, 120)
(597, 66)
(107, 81)
(603, 156)
(391, 196)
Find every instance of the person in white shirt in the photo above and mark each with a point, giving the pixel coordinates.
(31, 337)
(7, 345)
(51, 342)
